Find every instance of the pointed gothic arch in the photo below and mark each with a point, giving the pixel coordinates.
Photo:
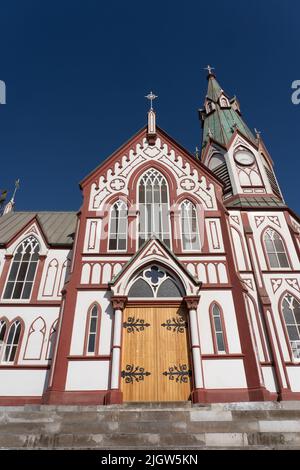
(23, 268)
(12, 341)
(118, 226)
(274, 248)
(190, 237)
(153, 198)
(289, 310)
(35, 340)
(218, 329)
(92, 330)
(155, 281)
(52, 340)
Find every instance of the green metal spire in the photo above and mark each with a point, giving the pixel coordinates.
(221, 117)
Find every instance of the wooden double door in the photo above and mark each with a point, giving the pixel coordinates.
(155, 354)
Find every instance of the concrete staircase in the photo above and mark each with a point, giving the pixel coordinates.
(268, 425)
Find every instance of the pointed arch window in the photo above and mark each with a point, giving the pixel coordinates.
(11, 343)
(93, 327)
(290, 308)
(3, 329)
(218, 329)
(154, 207)
(189, 227)
(118, 227)
(22, 271)
(155, 281)
(275, 249)
(224, 103)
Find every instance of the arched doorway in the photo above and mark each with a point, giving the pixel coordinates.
(155, 363)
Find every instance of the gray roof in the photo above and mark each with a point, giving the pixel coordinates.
(255, 201)
(58, 227)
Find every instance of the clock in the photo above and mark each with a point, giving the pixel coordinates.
(243, 157)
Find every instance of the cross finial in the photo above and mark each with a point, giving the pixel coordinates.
(209, 69)
(151, 97)
(17, 185)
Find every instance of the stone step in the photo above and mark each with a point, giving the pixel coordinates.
(152, 426)
(148, 440)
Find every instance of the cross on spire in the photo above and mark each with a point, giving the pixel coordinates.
(209, 69)
(151, 97)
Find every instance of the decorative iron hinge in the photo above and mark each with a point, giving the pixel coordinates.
(133, 324)
(132, 373)
(179, 373)
(177, 324)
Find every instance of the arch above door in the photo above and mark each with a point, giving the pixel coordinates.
(152, 266)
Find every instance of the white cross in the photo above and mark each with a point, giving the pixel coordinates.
(151, 97)
(209, 69)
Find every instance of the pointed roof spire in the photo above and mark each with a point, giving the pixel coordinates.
(221, 114)
(11, 203)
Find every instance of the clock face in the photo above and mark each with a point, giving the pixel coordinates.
(244, 158)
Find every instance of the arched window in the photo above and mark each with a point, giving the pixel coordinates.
(290, 308)
(11, 342)
(209, 107)
(3, 328)
(24, 264)
(118, 227)
(154, 207)
(218, 330)
(155, 281)
(51, 340)
(275, 249)
(224, 103)
(93, 324)
(189, 227)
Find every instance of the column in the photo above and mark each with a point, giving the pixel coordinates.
(198, 394)
(114, 396)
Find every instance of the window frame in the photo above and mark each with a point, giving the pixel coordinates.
(213, 329)
(112, 250)
(88, 332)
(197, 225)
(9, 325)
(266, 253)
(293, 359)
(169, 227)
(25, 280)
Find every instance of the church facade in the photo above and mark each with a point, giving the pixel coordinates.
(178, 279)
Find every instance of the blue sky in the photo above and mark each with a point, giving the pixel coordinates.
(77, 71)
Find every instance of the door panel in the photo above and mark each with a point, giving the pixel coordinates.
(155, 359)
(173, 358)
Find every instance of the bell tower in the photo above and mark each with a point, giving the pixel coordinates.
(231, 150)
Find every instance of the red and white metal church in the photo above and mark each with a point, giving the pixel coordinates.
(206, 236)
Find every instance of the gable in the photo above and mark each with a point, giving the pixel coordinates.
(154, 251)
(119, 172)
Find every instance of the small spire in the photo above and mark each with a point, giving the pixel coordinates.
(196, 152)
(151, 131)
